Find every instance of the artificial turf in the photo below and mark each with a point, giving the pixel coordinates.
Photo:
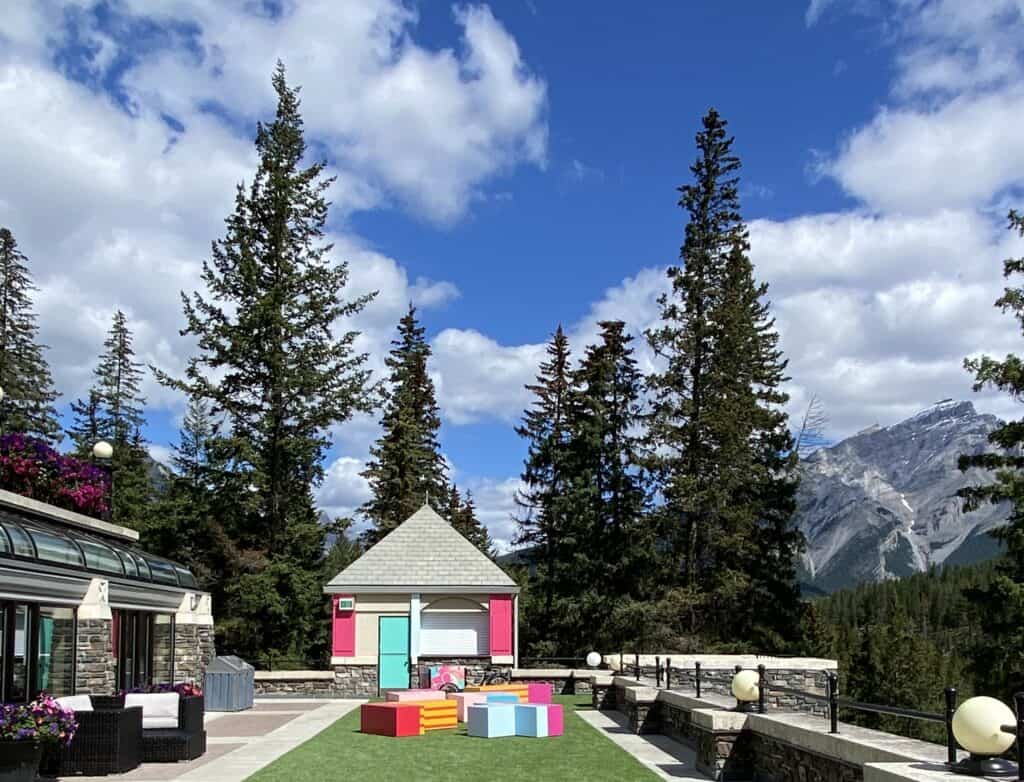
(342, 753)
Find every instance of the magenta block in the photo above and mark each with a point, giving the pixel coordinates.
(464, 700)
(414, 695)
(538, 693)
(555, 720)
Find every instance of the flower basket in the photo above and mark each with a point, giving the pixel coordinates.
(19, 760)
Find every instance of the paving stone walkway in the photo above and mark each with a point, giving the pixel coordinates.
(241, 743)
(667, 758)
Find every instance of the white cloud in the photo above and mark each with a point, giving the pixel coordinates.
(343, 489)
(426, 127)
(918, 160)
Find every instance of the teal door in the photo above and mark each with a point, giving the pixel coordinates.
(394, 652)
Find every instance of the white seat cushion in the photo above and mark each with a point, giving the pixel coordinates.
(76, 702)
(159, 709)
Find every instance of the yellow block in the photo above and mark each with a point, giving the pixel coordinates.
(437, 715)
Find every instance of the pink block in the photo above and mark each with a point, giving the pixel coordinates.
(538, 693)
(414, 695)
(464, 700)
(555, 726)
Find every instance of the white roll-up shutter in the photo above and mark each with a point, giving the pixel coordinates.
(453, 633)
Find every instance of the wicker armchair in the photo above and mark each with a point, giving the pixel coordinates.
(186, 742)
(108, 741)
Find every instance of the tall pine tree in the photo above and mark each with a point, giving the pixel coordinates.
(722, 452)
(461, 512)
(28, 393)
(543, 504)
(999, 654)
(113, 411)
(608, 489)
(273, 364)
(406, 467)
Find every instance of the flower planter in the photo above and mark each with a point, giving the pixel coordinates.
(19, 760)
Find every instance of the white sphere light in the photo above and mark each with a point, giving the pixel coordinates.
(977, 725)
(103, 450)
(593, 659)
(1, 395)
(745, 686)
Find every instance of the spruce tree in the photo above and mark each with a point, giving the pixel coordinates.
(28, 393)
(679, 426)
(113, 411)
(406, 467)
(462, 515)
(999, 654)
(543, 505)
(181, 524)
(86, 428)
(720, 446)
(272, 363)
(608, 490)
(754, 553)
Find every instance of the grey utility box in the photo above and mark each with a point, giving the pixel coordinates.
(229, 684)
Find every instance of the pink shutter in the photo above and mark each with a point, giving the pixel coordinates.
(501, 625)
(343, 635)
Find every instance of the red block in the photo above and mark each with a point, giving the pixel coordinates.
(390, 719)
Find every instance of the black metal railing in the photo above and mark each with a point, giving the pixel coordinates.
(834, 703)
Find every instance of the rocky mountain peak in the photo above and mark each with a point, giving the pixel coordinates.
(883, 502)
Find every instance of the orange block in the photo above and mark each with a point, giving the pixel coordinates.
(520, 690)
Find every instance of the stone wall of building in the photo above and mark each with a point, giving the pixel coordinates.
(355, 681)
(193, 651)
(96, 665)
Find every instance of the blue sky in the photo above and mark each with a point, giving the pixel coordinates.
(513, 166)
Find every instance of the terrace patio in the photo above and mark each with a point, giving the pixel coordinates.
(289, 739)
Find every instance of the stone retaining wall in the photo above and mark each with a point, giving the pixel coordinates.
(782, 745)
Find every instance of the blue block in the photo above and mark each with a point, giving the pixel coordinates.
(503, 697)
(491, 720)
(532, 720)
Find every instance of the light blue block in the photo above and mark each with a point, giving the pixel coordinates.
(532, 720)
(491, 720)
(503, 697)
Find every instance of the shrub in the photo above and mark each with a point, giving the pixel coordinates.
(32, 468)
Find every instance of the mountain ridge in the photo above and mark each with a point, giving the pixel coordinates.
(882, 503)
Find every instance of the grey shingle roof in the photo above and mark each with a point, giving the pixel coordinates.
(424, 553)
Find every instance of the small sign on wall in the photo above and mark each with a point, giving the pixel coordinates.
(346, 604)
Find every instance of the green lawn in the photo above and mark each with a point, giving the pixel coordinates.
(342, 753)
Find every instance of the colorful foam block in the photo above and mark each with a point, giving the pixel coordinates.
(463, 700)
(501, 697)
(437, 715)
(414, 695)
(538, 693)
(532, 720)
(390, 719)
(555, 719)
(491, 720)
(519, 689)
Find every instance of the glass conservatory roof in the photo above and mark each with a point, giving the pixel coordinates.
(23, 538)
